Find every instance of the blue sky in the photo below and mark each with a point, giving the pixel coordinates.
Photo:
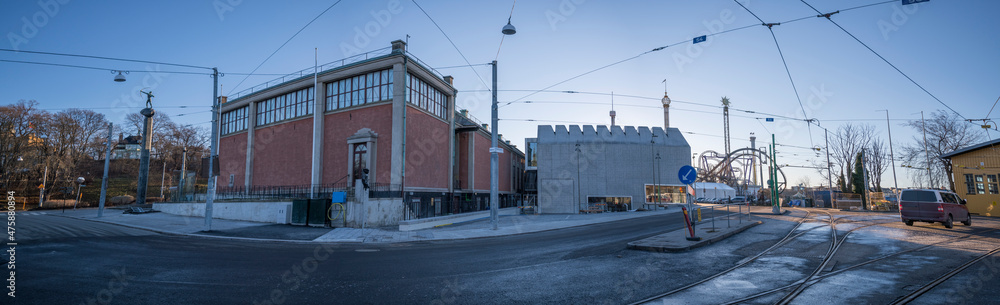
(948, 47)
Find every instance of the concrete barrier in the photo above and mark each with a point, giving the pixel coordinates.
(264, 211)
(424, 223)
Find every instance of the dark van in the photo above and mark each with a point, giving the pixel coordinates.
(933, 206)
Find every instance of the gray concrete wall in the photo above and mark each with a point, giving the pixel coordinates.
(610, 162)
(261, 211)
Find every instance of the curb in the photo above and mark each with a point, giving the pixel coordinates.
(188, 234)
(634, 246)
(342, 241)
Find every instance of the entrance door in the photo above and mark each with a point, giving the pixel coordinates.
(360, 160)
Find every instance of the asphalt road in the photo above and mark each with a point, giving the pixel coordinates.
(69, 261)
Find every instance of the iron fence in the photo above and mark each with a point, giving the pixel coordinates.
(264, 192)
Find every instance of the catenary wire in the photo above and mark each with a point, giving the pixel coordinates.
(452, 42)
(885, 60)
(283, 45)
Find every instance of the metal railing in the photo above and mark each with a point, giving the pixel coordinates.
(264, 192)
(310, 70)
(385, 190)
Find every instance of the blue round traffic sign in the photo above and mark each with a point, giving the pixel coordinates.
(687, 174)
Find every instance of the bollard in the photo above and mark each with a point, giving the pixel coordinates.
(727, 217)
(741, 214)
(713, 218)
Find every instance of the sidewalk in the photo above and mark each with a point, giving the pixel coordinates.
(221, 228)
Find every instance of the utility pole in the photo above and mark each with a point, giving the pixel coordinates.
(930, 183)
(895, 183)
(104, 181)
(494, 157)
(829, 173)
(775, 201)
(41, 192)
(864, 176)
(180, 185)
(210, 196)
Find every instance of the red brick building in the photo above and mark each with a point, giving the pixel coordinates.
(410, 137)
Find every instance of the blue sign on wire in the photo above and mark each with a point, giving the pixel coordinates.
(702, 38)
(907, 2)
(769, 120)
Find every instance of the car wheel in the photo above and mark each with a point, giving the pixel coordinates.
(950, 222)
(908, 222)
(968, 220)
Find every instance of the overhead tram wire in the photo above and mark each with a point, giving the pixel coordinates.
(452, 43)
(785, 63)
(282, 46)
(881, 57)
(96, 68)
(104, 58)
(682, 42)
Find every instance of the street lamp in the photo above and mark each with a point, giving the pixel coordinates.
(119, 78)
(494, 150)
(79, 184)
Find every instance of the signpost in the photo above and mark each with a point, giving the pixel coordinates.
(687, 175)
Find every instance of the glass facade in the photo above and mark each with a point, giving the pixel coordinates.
(234, 120)
(287, 106)
(425, 96)
(359, 90)
(666, 194)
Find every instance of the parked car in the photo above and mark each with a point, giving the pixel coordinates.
(933, 206)
(738, 199)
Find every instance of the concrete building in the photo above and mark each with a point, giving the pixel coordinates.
(976, 171)
(385, 112)
(582, 169)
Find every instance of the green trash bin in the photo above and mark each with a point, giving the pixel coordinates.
(300, 212)
(317, 212)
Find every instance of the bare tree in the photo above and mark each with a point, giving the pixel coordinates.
(877, 157)
(946, 132)
(847, 143)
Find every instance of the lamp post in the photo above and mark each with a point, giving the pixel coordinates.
(659, 176)
(104, 179)
(494, 150)
(79, 185)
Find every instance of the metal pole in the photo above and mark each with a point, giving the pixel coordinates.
(864, 175)
(895, 184)
(180, 185)
(927, 155)
(41, 193)
(163, 177)
(829, 173)
(775, 201)
(579, 186)
(494, 158)
(104, 181)
(210, 194)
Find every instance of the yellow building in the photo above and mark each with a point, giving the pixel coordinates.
(976, 170)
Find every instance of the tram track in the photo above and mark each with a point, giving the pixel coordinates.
(807, 283)
(788, 237)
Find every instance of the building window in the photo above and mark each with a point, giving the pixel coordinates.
(970, 187)
(980, 187)
(425, 96)
(234, 120)
(992, 179)
(359, 90)
(287, 106)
